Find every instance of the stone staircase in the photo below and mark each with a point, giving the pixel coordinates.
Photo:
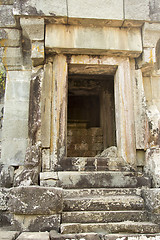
(103, 202)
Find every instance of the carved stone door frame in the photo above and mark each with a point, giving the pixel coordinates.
(124, 106)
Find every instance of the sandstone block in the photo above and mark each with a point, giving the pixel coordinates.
(33, 156)
(91, 40)
(6, 16)
(127, 226)
(48, 179)
(81, 236)
(12, 56)
(16, 109)
(101, 179)
(37, 54)
(9, 235)
(35, 200)
(140, 7)
(26, 177)
(152, 199)
(17, 90)
(16, 154)
(9, 37)
(34, 236)
(151, 32)
(19, 76)
(103, 216)
(33, 28)
(36, 223)
(107, 203)
(152, 166)
(38, 8)
(15, 128)
(96, 9)
(154, 10)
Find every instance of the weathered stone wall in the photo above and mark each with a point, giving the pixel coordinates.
(41, 43)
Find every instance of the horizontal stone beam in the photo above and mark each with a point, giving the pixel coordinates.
(73, 39)
(140, 10)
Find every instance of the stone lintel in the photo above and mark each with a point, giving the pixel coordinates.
(103, 41)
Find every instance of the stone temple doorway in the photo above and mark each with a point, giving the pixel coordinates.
(91, 124)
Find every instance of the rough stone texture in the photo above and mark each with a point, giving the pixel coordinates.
(37, 54)
(46, 109)
(128, 226)
(152, 200)
(9, 37)
(83, 236)
(101, 179)
(34, 236)
(35, 200)
(6, 219)
(93, 40)
(45, 159)
(35, 105)
(150, 35)
(94, 163)
(4, 195)
(35, 223)
(103, 216)
(154, 7)
(12, 56)
(38, 8)
(9, 235)
(71, 193)
(139, 7)
(139, 110)
(33, 28)
(153, 166)
(106, 203)
(26, 177)
(59, 110)
(6, 16)
(48, 179)
(33, 155)
(6, 176)
(153, 116)
(29, 173)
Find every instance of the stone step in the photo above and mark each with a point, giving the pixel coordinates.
(96, 236)
(94, 164)
(108, 203)
(110, 179)
(103, 216)
(71, 193)
(106, 228)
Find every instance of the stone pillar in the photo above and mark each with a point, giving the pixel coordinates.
(124, 108)
(46, 115)
(15, 124)
(59, 110)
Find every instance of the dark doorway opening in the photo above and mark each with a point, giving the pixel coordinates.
(91, 115)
